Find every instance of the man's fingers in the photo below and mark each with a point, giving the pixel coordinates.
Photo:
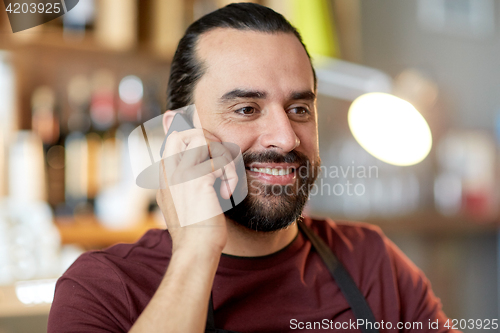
(214, 166)
(219, 149)
(179, 144)
(196, 152)
(210, 137)
(229, 180)
(229, 174)
(178, 141)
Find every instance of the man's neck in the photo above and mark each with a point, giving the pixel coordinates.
(244, 242)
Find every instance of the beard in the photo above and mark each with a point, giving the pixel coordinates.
(272, 207)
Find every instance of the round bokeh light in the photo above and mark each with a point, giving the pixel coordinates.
(131, 89)
(390, 128)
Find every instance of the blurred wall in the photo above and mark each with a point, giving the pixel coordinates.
(461, 56)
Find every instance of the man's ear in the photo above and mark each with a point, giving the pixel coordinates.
(168, 117)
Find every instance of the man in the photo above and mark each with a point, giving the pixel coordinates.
(250, 77)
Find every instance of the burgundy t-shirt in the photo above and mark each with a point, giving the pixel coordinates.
(290, 290)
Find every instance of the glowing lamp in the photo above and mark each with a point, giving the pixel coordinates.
(390, 128)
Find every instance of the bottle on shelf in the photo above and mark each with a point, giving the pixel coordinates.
(75, 143)
(116, 24)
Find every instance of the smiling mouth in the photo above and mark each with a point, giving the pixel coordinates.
(273, 171)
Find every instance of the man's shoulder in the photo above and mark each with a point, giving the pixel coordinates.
(356, 244)
(154, 240)
(350, 233)
(105, 287)
(151, 250)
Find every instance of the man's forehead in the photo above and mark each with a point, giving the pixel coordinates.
(227, 39)
(251, 56)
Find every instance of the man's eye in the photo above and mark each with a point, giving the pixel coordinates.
(246, 111)
(299, 110)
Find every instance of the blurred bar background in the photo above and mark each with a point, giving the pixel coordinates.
(72, 89)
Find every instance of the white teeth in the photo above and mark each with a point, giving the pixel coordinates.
(274, 171)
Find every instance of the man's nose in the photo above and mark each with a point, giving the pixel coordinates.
(278, 132)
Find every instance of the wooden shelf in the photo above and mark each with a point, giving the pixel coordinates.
(88, 232)
(51, 39)
(429, 222)
(54, 40)
(52, 35)
(10, 306)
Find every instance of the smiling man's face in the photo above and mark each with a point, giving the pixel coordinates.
(258, 92)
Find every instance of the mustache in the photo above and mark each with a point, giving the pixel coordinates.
(274, 157)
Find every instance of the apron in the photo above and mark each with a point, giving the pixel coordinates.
(354, 297)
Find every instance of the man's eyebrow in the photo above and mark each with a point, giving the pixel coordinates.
(241, 93)
(303, 95)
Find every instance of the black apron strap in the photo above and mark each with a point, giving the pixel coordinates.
(210, 328)
(354, 297)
